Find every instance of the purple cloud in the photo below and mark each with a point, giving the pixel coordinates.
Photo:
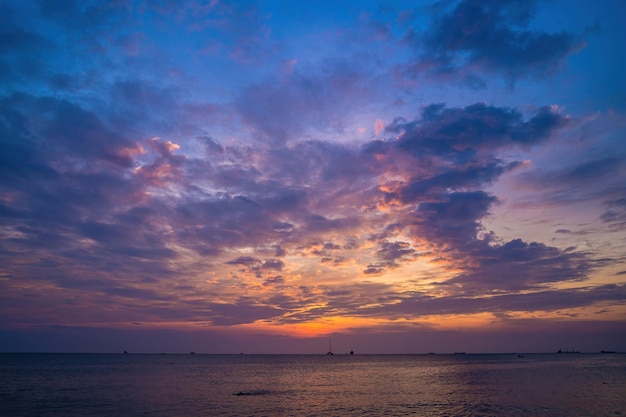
(220, 164)
(615, 214)
(494, 35)
(459, 133)
(548, 300)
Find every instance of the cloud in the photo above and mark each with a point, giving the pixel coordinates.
(275, 264)
(141, 214)
(393, 251)
(66, 130)
(615, 215)
(581, 173)
(390, 253)
(490, 265)
(24, 50)
(307, 103)
(495, 36)
(459, 133)
(244, 310)
(589, 166)
(469, 176)
(455, 220)
(419, 304)
(244, 260)
(458, 151)
(221, 188)
(517, 265)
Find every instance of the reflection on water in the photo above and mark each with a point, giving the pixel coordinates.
(277, 385)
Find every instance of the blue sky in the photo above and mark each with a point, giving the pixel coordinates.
(260, 175)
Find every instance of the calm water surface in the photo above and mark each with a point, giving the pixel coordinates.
(309, 385)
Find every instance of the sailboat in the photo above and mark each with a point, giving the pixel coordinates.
(330, 348)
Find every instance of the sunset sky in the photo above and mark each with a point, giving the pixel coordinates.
(260, 176)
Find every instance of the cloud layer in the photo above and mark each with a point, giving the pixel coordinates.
(166, 165)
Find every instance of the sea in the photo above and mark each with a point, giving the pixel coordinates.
(567, 384)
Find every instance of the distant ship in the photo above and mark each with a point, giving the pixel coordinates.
(330, 348)
(567, 351)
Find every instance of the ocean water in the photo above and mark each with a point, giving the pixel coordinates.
(311, 385)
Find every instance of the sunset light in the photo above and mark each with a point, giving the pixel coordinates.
(264, 176)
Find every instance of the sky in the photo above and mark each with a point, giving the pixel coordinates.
(268, 176)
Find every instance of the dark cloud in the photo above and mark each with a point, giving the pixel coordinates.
(275, 264)
(280, 252)
(211, 144)
(57, 129)
(581, 173)
(21, 160)
(118, 238)
(277, 280)
(374, 269)
(458, 134)
(455, 220)
(519, 265)
(390, 255)
(138, 293)
(585, 176)
(615, 215)
(317, 223)
(548, 300)
(390, 252)
(493, 35)
(244, 310)
(469, 176)
(489, 265)
(147, 205)
(591, 170)
(331, 246)
(451, 202)
(172, 193)
(339, 260)
(23, 49)
(212, 225)
(259, 267)
(244, 260)
(327, 249)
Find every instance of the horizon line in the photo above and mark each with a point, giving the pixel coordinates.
(192, 353)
